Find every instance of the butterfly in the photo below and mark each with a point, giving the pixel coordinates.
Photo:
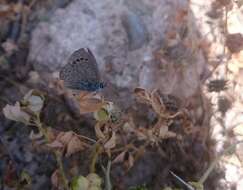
(81, 72)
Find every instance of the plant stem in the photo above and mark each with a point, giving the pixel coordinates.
(97, 151)
(106, 171)
(213, 164)
(57, 154)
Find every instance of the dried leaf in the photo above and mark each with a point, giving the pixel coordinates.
(56, 144)
(111, 143)
(19, 113)
(151, 135)
(161, 130)
(119, 158)
(89, 103)
(68, 142)
(56, 179)
(152, 99)
(157, 105)
(65, 137)
(75, 145)
(128, 127)
(142, 95)
(98, 132)
(164, 133)
(130, 161)
(141, 134)
(15, 113)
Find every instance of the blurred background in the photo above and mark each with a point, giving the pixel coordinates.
(191, 52)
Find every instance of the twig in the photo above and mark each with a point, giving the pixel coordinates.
(213, 164)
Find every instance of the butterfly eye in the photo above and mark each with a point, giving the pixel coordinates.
(74, 62)
(86, 59)
(81, 59)
(77, 60)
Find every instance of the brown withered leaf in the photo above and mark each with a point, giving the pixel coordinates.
(157, 103)
(126, 158)
(75, 145)
(68, 142)
(111, 143)
(187, 123)
(154, 99)
(161, 130)
(128, 161)
(141, 133)
(56, 144)
(142, 96)
(56, 178)
(119, 158)
(89, 103)
(98, 131)
(156, 133)
(164, 133)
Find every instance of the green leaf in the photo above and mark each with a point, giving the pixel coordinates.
(108, 112)
(101, 115)
(25, 177)
(80, 183)
(91, 182)
(34, 101)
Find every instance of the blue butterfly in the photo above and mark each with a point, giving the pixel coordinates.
(81, 72)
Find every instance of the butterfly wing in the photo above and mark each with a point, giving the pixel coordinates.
(81, 69)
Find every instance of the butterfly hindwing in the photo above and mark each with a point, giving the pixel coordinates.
(81, 71)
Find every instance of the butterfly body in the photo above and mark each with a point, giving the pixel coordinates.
(81, 72)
